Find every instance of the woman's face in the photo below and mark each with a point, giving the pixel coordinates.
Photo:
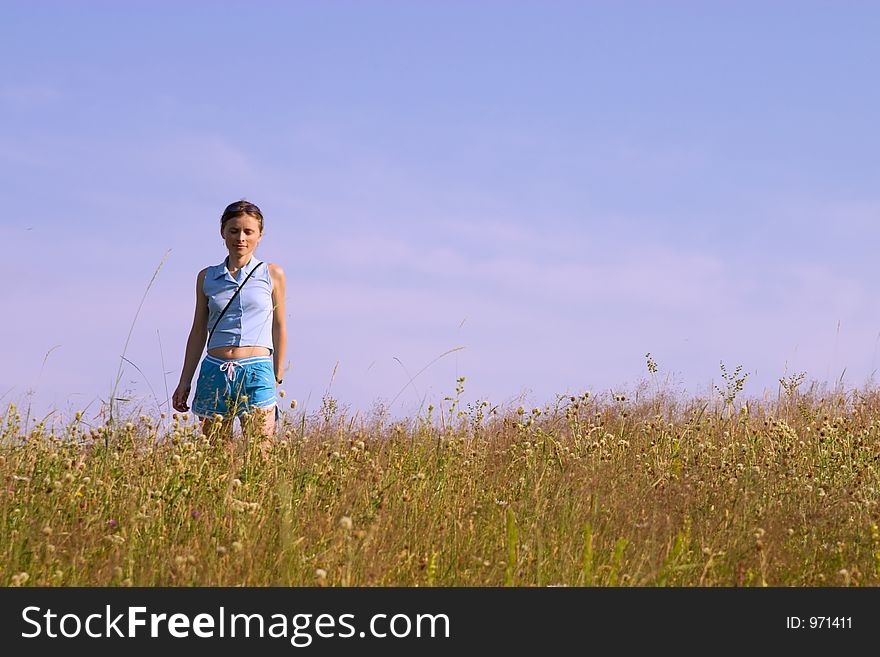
(242, 234)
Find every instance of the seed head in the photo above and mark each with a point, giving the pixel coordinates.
(345, 523)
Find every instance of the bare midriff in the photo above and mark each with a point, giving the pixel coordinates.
(229, 353)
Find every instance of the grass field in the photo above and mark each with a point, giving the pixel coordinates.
(599, 490)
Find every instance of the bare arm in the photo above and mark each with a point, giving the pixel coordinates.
(279, 320)
(198, 334)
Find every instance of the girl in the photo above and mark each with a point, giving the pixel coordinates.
(241, 302)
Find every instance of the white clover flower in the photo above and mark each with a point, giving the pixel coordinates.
(20, 579)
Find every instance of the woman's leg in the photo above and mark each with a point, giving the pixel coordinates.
(260, 389)
(218, 428)
(261, 422)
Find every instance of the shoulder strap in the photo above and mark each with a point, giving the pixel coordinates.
(222, 312)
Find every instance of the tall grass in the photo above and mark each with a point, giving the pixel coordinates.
(605, 491)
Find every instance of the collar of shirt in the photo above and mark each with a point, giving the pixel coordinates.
(222, 270)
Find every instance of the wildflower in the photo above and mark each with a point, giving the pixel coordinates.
(236, 483)
(21, 578)
(129, 426)
(237, 546)
(221, 550)
(78, 416)
(345, 523)
(195, 514)
(320, 574)
(292, 404)
(281, 394)
(112, 523)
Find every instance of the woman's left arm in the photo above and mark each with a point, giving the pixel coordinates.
(279, 320)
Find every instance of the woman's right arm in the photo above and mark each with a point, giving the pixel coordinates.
(198, 334)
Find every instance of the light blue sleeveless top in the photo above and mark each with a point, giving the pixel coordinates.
(248, 320)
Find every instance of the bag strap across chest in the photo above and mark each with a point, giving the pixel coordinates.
(232, 298)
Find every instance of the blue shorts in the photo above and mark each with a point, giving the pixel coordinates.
(233, 387)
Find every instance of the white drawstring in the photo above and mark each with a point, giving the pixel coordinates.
(229, 367)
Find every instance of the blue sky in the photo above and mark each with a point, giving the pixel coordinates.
(556, 187)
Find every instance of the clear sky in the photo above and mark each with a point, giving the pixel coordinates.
(557, 187)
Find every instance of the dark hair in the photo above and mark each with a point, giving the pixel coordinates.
(239, 208)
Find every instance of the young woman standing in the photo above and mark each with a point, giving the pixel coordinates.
(240, 303)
